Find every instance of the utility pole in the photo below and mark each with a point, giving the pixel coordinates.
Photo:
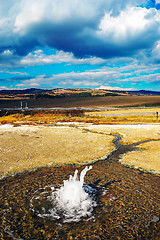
(157, 114)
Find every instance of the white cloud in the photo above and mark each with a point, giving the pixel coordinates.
(57, 11)
(102, 77)
(80, 83)
(14, 72)
(115, 88)
(28, 85)
(38, 57)
(103, 32)
(3, 88)
(30, 12)
(26, 24)
(7, 53)
(151, 78)
(130, 25)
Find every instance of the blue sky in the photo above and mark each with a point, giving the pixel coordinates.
(106, 44)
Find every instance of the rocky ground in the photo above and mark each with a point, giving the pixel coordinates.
(128, 206)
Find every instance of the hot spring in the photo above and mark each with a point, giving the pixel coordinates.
(69, 203)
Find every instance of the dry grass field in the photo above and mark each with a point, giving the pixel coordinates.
(29, 147)
(130, 133)
(44, 142)
(115, 116)
(147, 158)
(125, 111)
(147, 155)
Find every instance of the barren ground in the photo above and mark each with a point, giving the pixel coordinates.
(108, 101)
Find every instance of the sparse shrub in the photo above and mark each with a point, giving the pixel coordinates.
(75, 113)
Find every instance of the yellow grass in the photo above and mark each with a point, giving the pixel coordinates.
(26, 148)
(134, 134)
(36, 151)
(94, 117)
(130, 133)
(101, 115)
(148, 158)
(125, 111)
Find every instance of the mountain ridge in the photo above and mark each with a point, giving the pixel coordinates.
(74, 92)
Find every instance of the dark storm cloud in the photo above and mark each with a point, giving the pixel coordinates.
(21, 78)
(101, 28)
(15, 79)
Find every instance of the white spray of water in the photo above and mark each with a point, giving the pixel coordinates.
(72, 198)
(70, 202)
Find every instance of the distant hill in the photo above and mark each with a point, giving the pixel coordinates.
(146, 92)
(140, 92)
(25, 91)
(60, 92)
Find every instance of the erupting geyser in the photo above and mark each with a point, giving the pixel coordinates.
(68, 203)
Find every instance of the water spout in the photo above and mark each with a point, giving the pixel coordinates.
(83, 173)
(69, 203)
